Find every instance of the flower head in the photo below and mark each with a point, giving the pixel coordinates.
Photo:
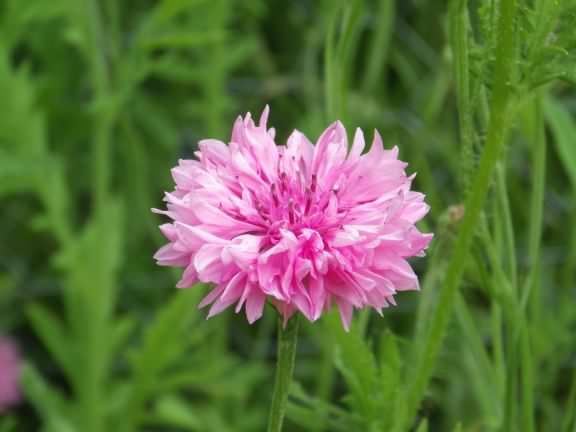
(306, 226)
(9, 374)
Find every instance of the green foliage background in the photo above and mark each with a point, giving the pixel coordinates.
(99, 98)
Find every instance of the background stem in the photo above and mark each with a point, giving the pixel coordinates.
(430, 346)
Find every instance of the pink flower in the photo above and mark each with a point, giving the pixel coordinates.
(302, 225)
(9, 374)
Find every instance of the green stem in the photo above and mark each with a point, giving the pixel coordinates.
(330, 69)
(102, 92)
(459, 31)
(570, 410)
(93, 326)
(379, 47)
(287, 338)
(499, 122)
(536, 131)
(341, 37)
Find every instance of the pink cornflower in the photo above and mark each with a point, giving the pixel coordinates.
(9, 374)
(302, 225)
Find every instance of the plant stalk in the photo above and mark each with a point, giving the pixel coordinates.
(499, 124)
(287, 339)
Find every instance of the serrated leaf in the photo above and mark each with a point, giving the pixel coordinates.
(173, 411)
(22, 129)
(162, 340)
(51, 332)
(163, 343)
(356, 362)
(46, 400)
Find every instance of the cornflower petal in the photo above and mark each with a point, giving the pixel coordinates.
(305, 226)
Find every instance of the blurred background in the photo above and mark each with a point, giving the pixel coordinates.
(99, 99)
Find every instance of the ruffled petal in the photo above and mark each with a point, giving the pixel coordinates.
(305, 226)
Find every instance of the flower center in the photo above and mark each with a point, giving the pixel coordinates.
(295, 204)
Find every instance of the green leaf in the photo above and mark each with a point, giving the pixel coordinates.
(7, 424)
(563, 128)
(162, 339)
(49, 403)
(390, 371)
(164, 342)
(51, 332)
(356, 362)
(306, 410)
(22, 129)
(122, 329)
(167, 10)
(423, 426)
(19, 174)
(176, 39)
(174, 411)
